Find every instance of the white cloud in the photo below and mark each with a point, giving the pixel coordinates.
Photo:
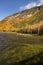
(40, 3)
(30, 5)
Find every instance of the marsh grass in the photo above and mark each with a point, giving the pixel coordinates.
(21, 49)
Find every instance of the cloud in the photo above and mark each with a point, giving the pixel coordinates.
(40, 3)
(30, 5)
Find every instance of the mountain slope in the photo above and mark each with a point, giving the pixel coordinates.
(23, 20)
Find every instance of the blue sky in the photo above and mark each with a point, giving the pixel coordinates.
(8, 7)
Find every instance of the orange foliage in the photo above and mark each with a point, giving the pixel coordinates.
(18, 19)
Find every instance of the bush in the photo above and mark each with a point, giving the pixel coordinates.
(22, 31)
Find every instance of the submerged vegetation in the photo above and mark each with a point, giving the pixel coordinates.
(21, 49)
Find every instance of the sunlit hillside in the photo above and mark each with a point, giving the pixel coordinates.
(28, 21)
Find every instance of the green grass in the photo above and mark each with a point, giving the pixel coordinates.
(20, 49)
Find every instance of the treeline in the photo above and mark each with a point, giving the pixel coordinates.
(33, 29)
(28, 29)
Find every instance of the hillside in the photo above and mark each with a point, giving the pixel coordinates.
(27, 21)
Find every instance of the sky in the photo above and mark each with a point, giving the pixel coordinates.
(9, 7)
